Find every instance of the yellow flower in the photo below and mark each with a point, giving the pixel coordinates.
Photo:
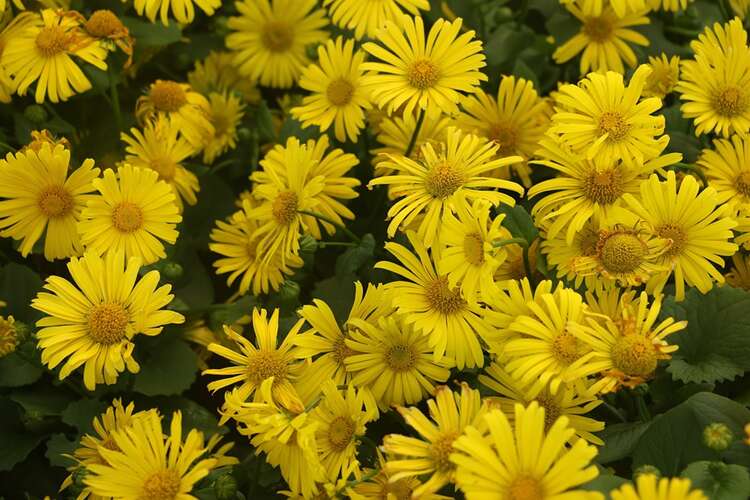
(603, 38)
(603, 118)
(452, 326)
(94, 325)
(182, 10)
(133, 213)
(649, 487)
(39, 197)
(270, 37)
(513, 300)
(450, 414)
(104, 25)
(523, 460)
(395, 134)
(234, 240)
(727, 168)
(382, 487)
(8, 337)
(160, 148)
(454, 173)
(186, 110)
(740, 7)
(665, 73)
(420, 75)
(715, 85)
(217, 73)
(47, 43)
(670, 5)
(226, 113)
(41, 137)
(365, 17)
(394, 361)
(516, 121)
(149, 464)
(565, 256)
(739, 275)
(337, 98)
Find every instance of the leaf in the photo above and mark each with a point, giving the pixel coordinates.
(619, 440)
(17, 441)
(519, 223)
(293, 128)
(57, 446)
(350, 261)
(194, 416)
(81, 413)
(41, 401)
(604, 483)
(149, 34)
(170, 369)
(715, 346)
(16, 371)
(264, 121)
(505, 43)
(523, 70)
(337, 292)
(18, 286)
(719, 481)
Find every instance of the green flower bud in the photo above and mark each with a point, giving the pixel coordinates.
(717, 436)
(23, 332)
(289, 290)
(225, 487)
(36, 114)
(172, 271)
(307, 244)
(646, 469)
(244, 134)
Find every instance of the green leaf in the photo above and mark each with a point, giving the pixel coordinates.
(715, 346)
(17, 441)
(604, 483)
(293, 128)
(350, 261)
(81, 413)
(149, 34)
(170, 369)
(42, 401)
(719, 481)
(523, 70)
(18, 286)
(505, 43)
(519, 223)
(57, 446)
(16, 371)
(619, 440)
(264, 121)
(337, 292)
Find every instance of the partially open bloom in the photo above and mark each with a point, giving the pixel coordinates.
(182, 10)
(727, 168)
(217, 73)
(650, 487)
(665, 72)
(365, 17)
(226, 114)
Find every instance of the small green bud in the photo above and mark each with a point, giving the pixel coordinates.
(244, 134)
(646, 469)
(289, 290)
(717, 436)
(225, 487)
(36, 114)
(23, 332)
(172, 271)
(307, 244)
(79, 475)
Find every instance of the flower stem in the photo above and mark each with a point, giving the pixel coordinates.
(415, 134)
(332, 222)
(323, 244)
(525, 248)
(694, 169)
(115, 99)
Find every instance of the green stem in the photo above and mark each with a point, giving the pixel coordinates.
(726, 10)
(614, 411)
(643, 412)
(364, 478)
(115, 100)
(415, 134)
(332, 222)
(682, 31)
(323, 244)
(694, 169)
(525, 248)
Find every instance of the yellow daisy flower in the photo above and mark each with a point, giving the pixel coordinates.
(234, 241)
(269, 39)
(47, 45)
(104, 25)
(254, 364)
(603, 38)
(160, 148)
(418, 75)
(514, 267)
(512, 301)
(604, 118)
(565, 256)
(337, 96)
(665, 73)
(365, 17)
(394, 361)
(740, 7)
(739, 275)
(669, 5)
(186, 110)
(450, 413)
(395, 133)
(516, 121)
(382, 487)
(727, 168)
(94, 325)
(217, 73)
(226, 113)
(715, 85)
(133, 213)
(455, 173)
(523, 460)
(452, 326)
(182, 10)
(149, 464)
(37, 196)
(41, 137)
(8, 336)
(649, 487)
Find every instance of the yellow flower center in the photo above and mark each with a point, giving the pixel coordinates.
(53, 40)
(506, 138)
(443, 180)
(525, 488)
(676, 234)
(441, 449)
(127, 217)
(474, 249)
(340, 433)
(266, 364)
(222, 123)
(167, 96)
(423, 74)
(103, 23)
(400, 358)
(55, 201)
(622, 252)
(164, 485)
(165, 167)
(441, 298)
(614, 124)
(552, 410)
(8, 337)
(108, 323)
(565, 348)
(634, 355)
(277, 36)
(742, 183)
(730, 102)
(341, 351)
(603, 186)
(340, 92)
(284, 208)
(598, 29)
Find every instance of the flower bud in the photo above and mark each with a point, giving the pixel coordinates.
(36, 114)
(717, 436)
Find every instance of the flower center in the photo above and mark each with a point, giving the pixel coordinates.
(400, 358)
(127, 217)
(164, 485)
(613, 123)
(277, 36)
(552, 410)
(441, 298)
(525, 488)
(8, 337)
(603, 186)
(221, 123)
(565, 348)
(634, 355)
(443, 180)
(340, 433)
(621, 252)
(742, 183)
(506, 138)
(167, 96)
(341, 351)
(676, 234)
(599, 29)
(423, 74)
(107, 323)
(474, 249)
(284, 207)
(55, 201)
(730, 102)
(400, 490)
(103, 23)
(587, 240)
(340, 92)
(53, 40)
(441, 449)
(266, 364)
